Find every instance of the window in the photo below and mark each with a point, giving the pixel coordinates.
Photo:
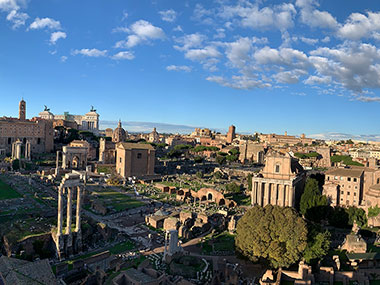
(38, 140)
(341, 178)
(9, 140)
(354, 193)
(139, 155)
(348, 193)
(277, 169)
(349, 178)
(355, 179)
(335, 177)
(120, 159)
(342, 192)
(328, 177)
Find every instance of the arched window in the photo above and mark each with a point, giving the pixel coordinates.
(277, 168)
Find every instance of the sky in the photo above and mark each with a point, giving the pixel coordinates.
(301, 66)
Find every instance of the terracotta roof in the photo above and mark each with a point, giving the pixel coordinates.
(135, 146)
(345, 172)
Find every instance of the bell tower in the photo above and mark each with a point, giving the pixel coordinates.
(22, 110)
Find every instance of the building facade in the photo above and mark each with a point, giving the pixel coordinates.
(38, 132)
(280, 183)
(134, 159)
(87, 122)
(344, 186)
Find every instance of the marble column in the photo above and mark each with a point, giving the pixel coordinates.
(291, 197)
(286, 189)
(254, 193)
(259, 193)
(60, 211)
(79, 207)
(282, 195)
(69, 210)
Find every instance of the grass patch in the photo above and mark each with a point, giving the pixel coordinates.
(7, 192)
(117, 201)
(119, 248)
(223, 242)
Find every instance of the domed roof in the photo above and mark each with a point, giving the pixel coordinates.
(119, 134)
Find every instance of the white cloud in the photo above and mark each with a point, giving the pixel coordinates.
(189, 41)
(56, 36)
(63, 58)
(355, 66)
(168, 15)
(315, 18)
(309, 41)
(312, 80)
(9, 5)
(140, 32)
(123, 55)
(178, 68)
(288, 77)
(45, 23)
(360, 26)
(146, 30)
(238, 82)
(202, 53)
(250, 15)
(178, 29)
(121, 30)
(90, 52)
(367, 99)
(325, 39)
(17, 18)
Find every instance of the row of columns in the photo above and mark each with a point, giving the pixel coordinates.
(264, 193)
(17, 150)
(69, 209)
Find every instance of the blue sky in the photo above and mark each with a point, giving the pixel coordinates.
(300, 66)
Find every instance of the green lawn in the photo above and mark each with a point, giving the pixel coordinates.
(121, 247)
(222, 242)
(118, 201)
(7, 192)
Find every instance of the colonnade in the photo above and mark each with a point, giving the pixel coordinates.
(69, 199)
(266, 192)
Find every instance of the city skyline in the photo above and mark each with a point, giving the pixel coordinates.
(262, 66)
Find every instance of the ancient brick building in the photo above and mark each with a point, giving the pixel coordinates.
(38, 132)
(135, 159)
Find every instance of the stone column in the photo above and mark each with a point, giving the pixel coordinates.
(281, 201)
(60, 211)
(64, 160)
(292, 194)
(259, 193)
(254, 193)
(273, 194)
(69, 210)
(79, 206)
(266, 193)
(286, 189)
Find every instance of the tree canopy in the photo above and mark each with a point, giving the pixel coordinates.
(318, 244)
(273, 233)
(312, 199)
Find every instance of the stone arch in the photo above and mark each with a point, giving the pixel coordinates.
(222, 202)
(231, 205)
(210, 197)
(76, 161)
(203, 198)
(181, 192)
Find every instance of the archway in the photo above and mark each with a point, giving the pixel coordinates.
(204, 198)
(76, 162)
(222, 202)
(209, 197)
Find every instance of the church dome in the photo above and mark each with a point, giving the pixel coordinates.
(119, 134)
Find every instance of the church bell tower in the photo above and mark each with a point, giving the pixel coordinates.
(22, 110)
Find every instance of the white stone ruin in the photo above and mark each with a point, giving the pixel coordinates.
(68, 242)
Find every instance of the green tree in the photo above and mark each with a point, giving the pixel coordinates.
(221, 159)
(16, 164)
(318, 244)
(233, 188)
(249, 177)
(311, 198)
(275, 234)
(358, 215)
